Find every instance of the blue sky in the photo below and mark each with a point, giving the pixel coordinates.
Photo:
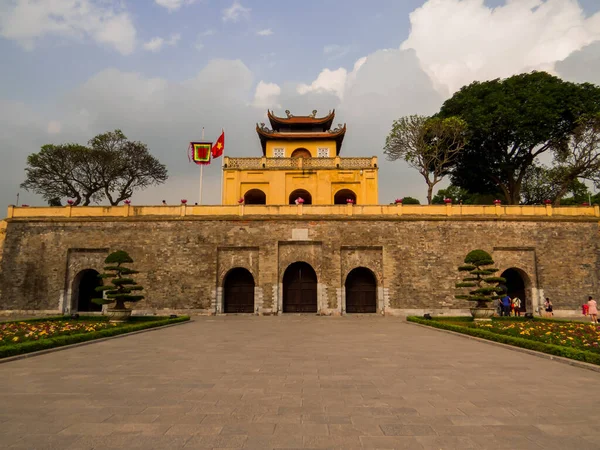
(70, 73)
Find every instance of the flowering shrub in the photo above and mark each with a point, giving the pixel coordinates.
(582, 336)
(14, 332)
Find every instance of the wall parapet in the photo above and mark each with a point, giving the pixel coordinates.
(299, 163)
(370, 211)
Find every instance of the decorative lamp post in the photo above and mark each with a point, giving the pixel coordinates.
(398, 201)
(448, 201)
(70, 202)
(183, 201)
(497, 202)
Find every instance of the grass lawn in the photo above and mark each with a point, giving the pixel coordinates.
(24, 336)
(575, 340)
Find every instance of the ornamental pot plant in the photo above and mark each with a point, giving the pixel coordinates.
(483, 286)
(121, 288)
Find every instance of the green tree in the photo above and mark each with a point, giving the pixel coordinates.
(480, 277)
(410, 201)
(122, 287)
(110, 167)
(579, 158)
(510, 123)
(429, 145)
(125, 166)
(64, 170)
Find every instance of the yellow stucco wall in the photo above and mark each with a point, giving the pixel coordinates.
(290, 146)
(322, 184)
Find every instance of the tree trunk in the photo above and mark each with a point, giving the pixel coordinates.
(429, 193)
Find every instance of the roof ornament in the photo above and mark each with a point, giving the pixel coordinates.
(264, 128)
(314, 113)
(339, 128)
(288, 114)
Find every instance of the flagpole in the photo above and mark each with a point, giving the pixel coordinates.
(222, 164)
(201, 173)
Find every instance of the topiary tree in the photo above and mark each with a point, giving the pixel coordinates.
(478, 263)
(122, 286)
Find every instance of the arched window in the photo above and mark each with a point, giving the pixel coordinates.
(238, 291)
(300, 289)
(342, 196)
(255, 197)
(84, 290)
(301, 153)
(303, 194)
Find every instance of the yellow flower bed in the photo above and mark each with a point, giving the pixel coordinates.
(15, 332)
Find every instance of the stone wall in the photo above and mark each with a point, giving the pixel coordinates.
(183, 261)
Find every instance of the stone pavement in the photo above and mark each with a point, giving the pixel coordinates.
(296, 382)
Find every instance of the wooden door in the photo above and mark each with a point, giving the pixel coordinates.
(300, 289)
(238, 294)
(361, 292)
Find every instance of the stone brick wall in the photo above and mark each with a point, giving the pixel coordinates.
(183, 261)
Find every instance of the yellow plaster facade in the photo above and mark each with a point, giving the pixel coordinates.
(315, 173)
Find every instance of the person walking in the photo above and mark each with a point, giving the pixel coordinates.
(517, 306)
(593, 309)
(506, 306)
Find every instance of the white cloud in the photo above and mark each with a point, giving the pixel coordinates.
(173, 5)
(333, 81)
(236, 12)
(103, 21)
(266, 95)
(156, 43)
(265, 32)
(459, 41)
(334, 51)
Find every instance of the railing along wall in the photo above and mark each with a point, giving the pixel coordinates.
(299, 163)
(371, 211)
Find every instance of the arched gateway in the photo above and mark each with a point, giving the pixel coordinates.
(238, 291)
(300, 289)
(361, 291)
(84, 290)
(516, 286)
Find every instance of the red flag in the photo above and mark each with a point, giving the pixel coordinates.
(217, 149)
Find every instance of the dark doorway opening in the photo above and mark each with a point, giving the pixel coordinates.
(238, 291)
(342, 196)
(303, 194)
(515, 286)
(86, 283)
(300, 289)
(361, 291)
(255, 197)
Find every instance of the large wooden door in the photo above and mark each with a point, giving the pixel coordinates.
(238, 295)
(88, 281)
(300, 289)
(361, 291)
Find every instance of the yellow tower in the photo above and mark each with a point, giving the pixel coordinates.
(301, 160)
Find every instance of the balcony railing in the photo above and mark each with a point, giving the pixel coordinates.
(300, 163)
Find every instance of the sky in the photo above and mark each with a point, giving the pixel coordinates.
(160, 70)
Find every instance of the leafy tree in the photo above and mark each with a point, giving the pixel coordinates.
(64, 170)
(579, 158)
(510, 123)
(122, 287)
(410, 201)
(542, 183)
(430, 145)
(458, 194)
(125, 166)
(477, 264)
(110, 167)
(54, 201)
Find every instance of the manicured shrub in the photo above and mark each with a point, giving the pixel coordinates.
(122, 286)
(478, 265)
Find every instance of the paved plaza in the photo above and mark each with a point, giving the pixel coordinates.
(296, 382)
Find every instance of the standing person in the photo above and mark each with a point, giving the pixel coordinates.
(506, 306)
(517, 306)
(593, 309)
(548, 307)
(164, 203)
